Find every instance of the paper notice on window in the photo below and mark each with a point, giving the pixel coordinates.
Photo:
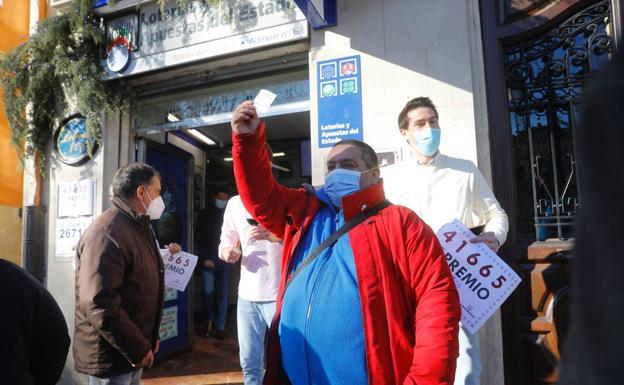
(263, 101)
(178, 268)
(483, 280)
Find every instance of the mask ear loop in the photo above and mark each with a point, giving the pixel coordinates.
(148, 195)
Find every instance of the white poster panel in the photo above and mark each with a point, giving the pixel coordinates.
(178, 268)
(68, 233)
(483, 280)
(169, 323)
(170, 294)
(75, 198)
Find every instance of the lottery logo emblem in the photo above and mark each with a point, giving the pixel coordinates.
(348, 86)
(328, 89)
(348, 67)
(328, 71)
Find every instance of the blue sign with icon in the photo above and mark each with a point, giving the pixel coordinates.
(339, 93)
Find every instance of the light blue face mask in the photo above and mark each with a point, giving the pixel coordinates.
(427, 141)
(341, 182)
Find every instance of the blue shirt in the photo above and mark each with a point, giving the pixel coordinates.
(321, 329)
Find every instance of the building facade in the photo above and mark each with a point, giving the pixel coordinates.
(344, 70)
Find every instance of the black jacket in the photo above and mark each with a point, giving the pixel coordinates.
(208, 234)
(33, 334)
(593, 353)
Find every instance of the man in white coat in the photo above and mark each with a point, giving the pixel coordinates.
(440, 188)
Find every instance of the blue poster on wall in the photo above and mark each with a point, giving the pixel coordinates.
(339, 93)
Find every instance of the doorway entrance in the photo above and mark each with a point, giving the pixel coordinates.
(539, 56)
(178, 124)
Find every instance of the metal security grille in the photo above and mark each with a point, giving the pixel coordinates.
(545, 78)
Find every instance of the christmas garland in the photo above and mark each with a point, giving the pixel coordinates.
(60, 61)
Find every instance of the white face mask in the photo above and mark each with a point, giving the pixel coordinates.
(155, 208)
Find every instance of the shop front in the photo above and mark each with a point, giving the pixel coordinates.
(339, 69)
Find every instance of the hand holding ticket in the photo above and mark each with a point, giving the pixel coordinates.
(263, 101)
(178, 268)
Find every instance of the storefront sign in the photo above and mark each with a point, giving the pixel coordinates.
(290, 88)
(483, 280)
(195, 31)
(122, 36)
(320, 13)
(169, 323)
(68, 233)
(75, 198)
(339, 90)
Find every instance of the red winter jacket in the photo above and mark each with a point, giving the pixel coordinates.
(410, 307)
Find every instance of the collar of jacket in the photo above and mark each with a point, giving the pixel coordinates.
(123, 206)
(362, 200)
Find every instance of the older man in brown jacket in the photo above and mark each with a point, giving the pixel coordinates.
(120, 282)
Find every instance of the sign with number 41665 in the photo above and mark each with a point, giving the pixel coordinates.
(483, 280)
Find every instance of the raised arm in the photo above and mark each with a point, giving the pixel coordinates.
(266, 200)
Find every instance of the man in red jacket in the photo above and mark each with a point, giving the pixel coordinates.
(378, 305)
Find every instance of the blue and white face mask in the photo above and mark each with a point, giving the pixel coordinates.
(341, 182)
(220, 203)
(427, 140)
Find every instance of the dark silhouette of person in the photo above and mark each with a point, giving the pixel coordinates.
(594, 348)
(215, 272)
(33, 333)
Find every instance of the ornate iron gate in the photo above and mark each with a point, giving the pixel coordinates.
(545, 79)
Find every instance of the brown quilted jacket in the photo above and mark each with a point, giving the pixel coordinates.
(119, 293)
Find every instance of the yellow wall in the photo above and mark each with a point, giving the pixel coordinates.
(14, 26)
(11, 234)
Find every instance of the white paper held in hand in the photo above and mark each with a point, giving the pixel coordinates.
(483, 279)
(263, 101)
(178, 268)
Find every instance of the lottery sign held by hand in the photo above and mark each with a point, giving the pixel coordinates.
(178, 268)
(483, 280)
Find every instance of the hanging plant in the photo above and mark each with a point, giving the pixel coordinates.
(61, 59)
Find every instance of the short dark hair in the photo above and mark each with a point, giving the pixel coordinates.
(368, 154)
(129, 177)
(421, 101)
(215, 189)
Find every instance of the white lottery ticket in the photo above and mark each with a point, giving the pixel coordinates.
(263, 101)
(178, 268)
(483, 279)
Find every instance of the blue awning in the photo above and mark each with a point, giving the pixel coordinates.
(320, 13)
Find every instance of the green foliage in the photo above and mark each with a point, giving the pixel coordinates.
(61, 58)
